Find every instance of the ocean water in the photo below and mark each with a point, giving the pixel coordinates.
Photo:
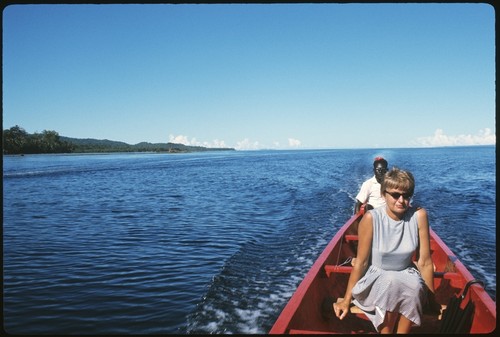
(206, 242)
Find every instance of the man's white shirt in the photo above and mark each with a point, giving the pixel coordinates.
(370, 193)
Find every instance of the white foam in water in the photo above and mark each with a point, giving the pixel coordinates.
(211, 326)
(249, 318)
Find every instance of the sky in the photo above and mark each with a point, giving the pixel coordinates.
(254, 76)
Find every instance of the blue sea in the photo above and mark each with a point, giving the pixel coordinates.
(212, 242)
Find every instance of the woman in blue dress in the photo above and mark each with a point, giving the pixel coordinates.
(385, 282)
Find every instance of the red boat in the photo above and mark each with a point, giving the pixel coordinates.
(465, 306)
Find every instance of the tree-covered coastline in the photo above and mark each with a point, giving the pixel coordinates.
(17, 141)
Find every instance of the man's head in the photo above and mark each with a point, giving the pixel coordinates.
(379, 168)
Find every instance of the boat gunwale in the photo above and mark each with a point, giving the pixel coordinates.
(281, 324)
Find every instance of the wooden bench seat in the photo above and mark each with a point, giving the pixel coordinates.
(346, 269)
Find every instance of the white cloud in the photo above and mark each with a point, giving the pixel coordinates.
(181, 139)
(484, 137)
(294, 142)
(218, 143)
(246, 144)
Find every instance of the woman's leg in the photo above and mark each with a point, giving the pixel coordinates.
(389, 322)
(403, 325)
(392, 320)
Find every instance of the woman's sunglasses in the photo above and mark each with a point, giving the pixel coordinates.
(397, 195)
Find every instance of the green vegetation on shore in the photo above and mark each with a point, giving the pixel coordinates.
(17, 141)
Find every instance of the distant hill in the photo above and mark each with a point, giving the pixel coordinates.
(105, 145)
(17, 141)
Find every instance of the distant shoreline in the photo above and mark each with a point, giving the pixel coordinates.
(16, 141)
(106, 153)
(234, 150)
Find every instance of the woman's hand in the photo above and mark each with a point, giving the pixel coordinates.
(341, 308)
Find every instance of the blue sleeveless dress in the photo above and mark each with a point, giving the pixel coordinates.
(392, 282)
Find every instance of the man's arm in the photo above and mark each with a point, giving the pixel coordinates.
(357, 207)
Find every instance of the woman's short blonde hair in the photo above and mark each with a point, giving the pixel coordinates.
(399, 180)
